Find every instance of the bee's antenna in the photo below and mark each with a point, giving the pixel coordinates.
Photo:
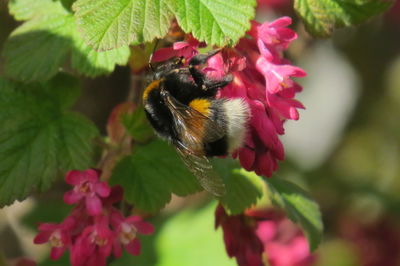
(151, 56)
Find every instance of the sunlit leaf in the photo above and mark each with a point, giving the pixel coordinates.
(299, 207)
(109, 24)
(195, 242)
(321, 17)
(151, 174)
(243, 188)
(36, 50)
(39, 139)
(220, 22)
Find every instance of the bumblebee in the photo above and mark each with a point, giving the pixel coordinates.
(182, 107)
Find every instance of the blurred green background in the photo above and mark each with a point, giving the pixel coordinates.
(345, 150)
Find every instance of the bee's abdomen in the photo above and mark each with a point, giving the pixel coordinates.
(232, 115)
(157, 113)
(217, 148)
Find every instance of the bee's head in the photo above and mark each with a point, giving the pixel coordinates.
(166, 67)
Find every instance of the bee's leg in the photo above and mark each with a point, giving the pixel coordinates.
(202, 58)
(215, 84)
(198, 77)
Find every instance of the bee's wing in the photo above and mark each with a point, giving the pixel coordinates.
(189, 124)
(203, 171)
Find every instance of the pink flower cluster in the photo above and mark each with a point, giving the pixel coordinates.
(375, 242)
(259, 236)
(95, 228)
(264, 78)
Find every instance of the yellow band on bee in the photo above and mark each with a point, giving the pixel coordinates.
(201, 105)
(149, 88)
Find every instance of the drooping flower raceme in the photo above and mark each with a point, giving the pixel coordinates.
(94, 229)
(88, 187)
(240, 239)
(262, 77)
(264, 235)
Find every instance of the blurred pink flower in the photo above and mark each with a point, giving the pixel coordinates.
(86, 186)
(25, 262)
(93, 245)
(127, 230)
(257, 236)
(283, 6)
(375, 243)
(58, 235)
(186, 49)
(275, 34)
(284, 242)
(92, 236)
(240, 239)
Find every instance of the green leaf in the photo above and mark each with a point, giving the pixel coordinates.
(138, 126)
(151, 174)
(109, 24)
(299, 207)
(189, 238)
(39, 139)
(28, 9)
(50, 209)
(220, 22)
(92, 63)
(67, 92)
(321, 17)
(243, 188)
(36, 49)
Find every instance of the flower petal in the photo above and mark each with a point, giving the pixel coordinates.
(144, 228)
(102, 189)
(247, 157)
(116, 194)
(93, 205)
(163, 54)
(180, 45)
(42, 237)
(48, 227)
(71, 197)
(280, 22)
(91, 175)
(74, 177)
(56, 253)
(117, 249)
(133, 247)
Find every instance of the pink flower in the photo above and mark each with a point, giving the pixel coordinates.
(283, 241)
(255, 235)
(58, 235)
(240, 239)
(186, 49)
(91, 237)
(264, 80)
(277, 76)
(86, 186)
(279, 5)
(375, 242)
(127, 230)
(274, 34)
(25, 262)
(93, 245)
